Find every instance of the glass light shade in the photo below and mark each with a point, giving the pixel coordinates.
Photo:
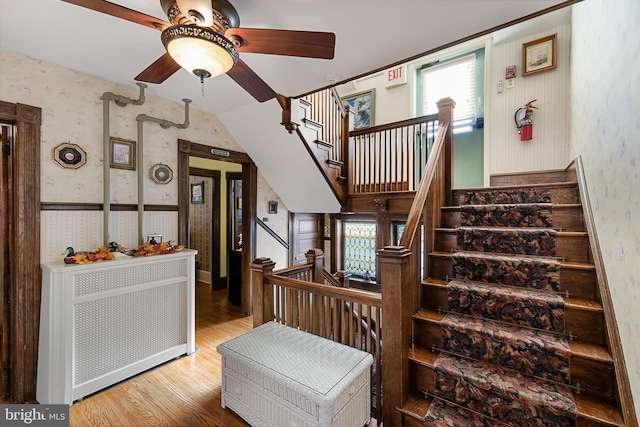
(197, 48)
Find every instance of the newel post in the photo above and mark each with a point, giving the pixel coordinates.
(316, 257)
(445, 115)
(397, 309)
(262, 295)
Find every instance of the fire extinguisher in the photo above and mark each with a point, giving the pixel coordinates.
(524, 121)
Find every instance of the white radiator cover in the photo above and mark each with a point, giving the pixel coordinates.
(102, 323)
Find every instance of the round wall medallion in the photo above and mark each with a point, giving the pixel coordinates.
(69, 155)
(161, 174)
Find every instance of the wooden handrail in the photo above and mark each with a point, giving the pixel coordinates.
(348, 316)
(394, 125)
(417, 207)
(357, 295)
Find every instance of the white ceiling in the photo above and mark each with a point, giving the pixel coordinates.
(369, 34)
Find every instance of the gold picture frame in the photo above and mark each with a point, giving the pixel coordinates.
(161, 173)
(69, 155)
(540, 55)
(123, 153)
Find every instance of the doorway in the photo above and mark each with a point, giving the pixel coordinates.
(249, 177)
(204, 221)
(21, 278)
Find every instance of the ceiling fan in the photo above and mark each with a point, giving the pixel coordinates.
(205, 38)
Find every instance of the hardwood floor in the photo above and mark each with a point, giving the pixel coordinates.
(181, 393)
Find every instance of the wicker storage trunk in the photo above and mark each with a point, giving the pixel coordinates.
(279, 376)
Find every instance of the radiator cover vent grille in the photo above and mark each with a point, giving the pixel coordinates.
(113, 332)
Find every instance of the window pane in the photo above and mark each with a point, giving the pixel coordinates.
(454, 79)
(360, 248)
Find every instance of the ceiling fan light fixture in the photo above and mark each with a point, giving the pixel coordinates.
(200, 49)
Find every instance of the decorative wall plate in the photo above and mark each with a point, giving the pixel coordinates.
(69, 155)
(161, 174)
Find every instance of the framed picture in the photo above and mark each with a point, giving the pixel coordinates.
(69, 155)
(197, 193)
(540, 55)
(161, 174)
(273, 207)
(362, 106)
(123, 154)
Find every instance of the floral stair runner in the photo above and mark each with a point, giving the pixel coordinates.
(527, 241)
(505, 395)
(520, 306)
(505, 360)
(510, 196)
(532, 272)
(513, 215)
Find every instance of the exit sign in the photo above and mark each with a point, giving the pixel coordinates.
(396, 75)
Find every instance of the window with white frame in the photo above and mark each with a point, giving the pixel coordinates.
(454, 79)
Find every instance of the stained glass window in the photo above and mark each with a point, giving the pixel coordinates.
(360, 249)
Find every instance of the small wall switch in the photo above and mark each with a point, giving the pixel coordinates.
(500, 86)
(511, 83)
(265, 219)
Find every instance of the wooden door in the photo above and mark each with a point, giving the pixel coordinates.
(306, 233)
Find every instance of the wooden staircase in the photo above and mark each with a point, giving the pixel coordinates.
(592, 373)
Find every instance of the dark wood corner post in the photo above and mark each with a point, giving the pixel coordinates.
(398, 309)
(445, 115)
(316, 257)
(262, 296)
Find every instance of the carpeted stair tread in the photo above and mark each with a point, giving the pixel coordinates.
(507, 215)
(503, 394)
(443, 414)
(525, 241)
(504, 195)
(532, 352)
(521, 306)
(507, 269)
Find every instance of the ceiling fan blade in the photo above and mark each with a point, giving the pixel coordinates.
(163, 68)
(307, 44)
(251, 82)
(121, 12)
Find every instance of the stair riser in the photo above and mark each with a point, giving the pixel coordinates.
(586, 325)
(527, 178)
(558, 195)
(595, 377)
(565, 219)
(568, 247)
(578, 282)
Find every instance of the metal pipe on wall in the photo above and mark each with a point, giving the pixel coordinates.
(120, 101)
(164, 124)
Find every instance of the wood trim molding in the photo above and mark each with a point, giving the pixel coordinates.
(54, 206)
(613, 334)
(249, 203)
(24, 249)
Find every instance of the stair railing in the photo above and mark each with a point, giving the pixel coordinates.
(400, 276)
(349, 316)
(390, 157)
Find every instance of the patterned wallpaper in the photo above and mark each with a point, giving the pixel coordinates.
(72, 112)
(550, 146)
(201, 224)
(605, 97)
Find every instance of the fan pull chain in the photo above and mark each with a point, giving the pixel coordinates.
(202, 82)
